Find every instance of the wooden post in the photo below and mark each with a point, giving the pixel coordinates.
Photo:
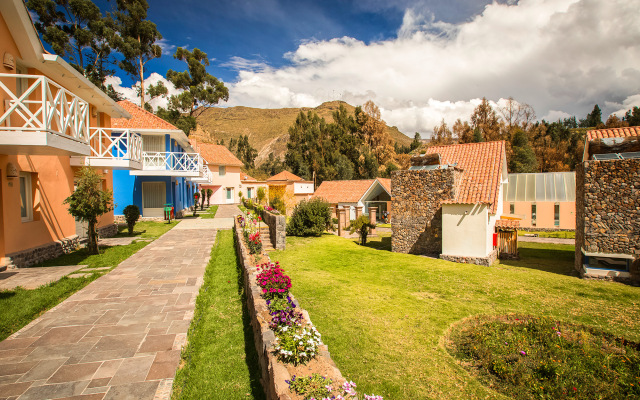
(372, 217)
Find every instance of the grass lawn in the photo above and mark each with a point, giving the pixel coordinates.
(385, 315)
(220, 360)
(209, 213)
(559, 235)
(147, 229)
(18, 307)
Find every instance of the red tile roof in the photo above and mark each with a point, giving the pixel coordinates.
(285, 176)
(482, 170)
(507, 223)
(348, 191)
(140, 119)
(218, 155)
(245, 177)
(613, 133)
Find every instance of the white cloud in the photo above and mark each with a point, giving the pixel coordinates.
(131, 92)
(167, 48)
(245, 64)
(624, 106)
(560, 56)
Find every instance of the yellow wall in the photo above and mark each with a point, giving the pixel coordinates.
(545, 214)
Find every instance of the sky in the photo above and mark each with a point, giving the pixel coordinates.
(420, 61)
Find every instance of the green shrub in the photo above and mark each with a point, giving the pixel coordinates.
(131, 215)
(363, 226)
(278, 204)
(310, 218)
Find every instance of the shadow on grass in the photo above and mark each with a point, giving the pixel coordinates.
(251, 359)
(557, 259)
(378, 243)
(77, 257)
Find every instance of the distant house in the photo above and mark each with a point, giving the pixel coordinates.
(607, 205)
(363, 193)
(542, 200)
(171, 169)
(292, 188)
(225, 171)
(448, 202)
(250, 186)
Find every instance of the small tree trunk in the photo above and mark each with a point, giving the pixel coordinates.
(130, 226)
(92, 246)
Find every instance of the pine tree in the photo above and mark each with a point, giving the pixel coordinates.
(523, 158)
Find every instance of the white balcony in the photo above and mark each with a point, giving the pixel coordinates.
(112, 150)
(40, 117)
(188, 165)
(205, 178)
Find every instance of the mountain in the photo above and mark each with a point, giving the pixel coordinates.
(267, 128)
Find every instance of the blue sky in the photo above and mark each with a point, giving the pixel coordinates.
(420, 61)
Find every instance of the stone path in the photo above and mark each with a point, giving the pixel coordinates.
(31, 278)
(118, 338)
(223, 219)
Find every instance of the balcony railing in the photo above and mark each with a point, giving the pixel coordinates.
(123, 145)
(172, 161)
(206, 177)
(45, 106)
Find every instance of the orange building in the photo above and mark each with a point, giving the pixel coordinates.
(542, 200)
(49, 113)
(291, 187)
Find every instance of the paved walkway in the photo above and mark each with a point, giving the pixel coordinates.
(121, 336)
(31, 278)
(223, 219)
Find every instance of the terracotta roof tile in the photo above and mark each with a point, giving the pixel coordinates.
(245, 177)
(140, 119)
(343, 191)
(481, 165)
(218, 155)
(613, 133)
(507, 223)
(285, 176)
(386, 183)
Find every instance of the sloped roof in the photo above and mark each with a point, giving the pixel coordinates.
(285, 176)
(613, 133)
(386, 183)
(343, 191)
(507, 223)
(481, 165)
(218, 155)
(245, 177)
(140, 119)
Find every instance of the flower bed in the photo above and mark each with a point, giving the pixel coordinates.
(287, 342)
(528, 357)
(250, 224)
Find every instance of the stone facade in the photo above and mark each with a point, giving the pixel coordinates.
(277, 229)
(36, 255)
(274, 374)
(608, 210)
(486, 261)
(107, 231)
(416, 201)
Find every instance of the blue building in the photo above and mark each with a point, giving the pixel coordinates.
(171, 170)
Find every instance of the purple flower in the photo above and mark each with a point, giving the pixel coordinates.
(524, 353)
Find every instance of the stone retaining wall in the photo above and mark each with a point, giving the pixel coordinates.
(486, 261)
(274, 373)
(277, 229)
(36, 255)
(107, 231)
(416, 203)
(608, 210)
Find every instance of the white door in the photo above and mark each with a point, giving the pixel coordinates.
(229, 195)
(152, 145)
(154, 195)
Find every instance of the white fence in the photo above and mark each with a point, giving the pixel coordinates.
(172, 161)
(124, 145)
(39, 104)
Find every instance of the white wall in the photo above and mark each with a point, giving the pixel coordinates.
(302, 188)
(231, 179)
(351, 207)
(466, 234)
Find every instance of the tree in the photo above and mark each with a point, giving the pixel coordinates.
(154, 91)
(593, 120)
(310, 218)
(374, 131)
(442, 135)
(261, 195)
(614, 122)
(523, 158)
(131, 215)
(78, 32)
(462, 131)
(485, 120)
(363, 226)
(477, 136)
(88, 202)
(136, 39)
(200, 89)
(245, 152)
(632, 116)
(415, 143)
(209, 194)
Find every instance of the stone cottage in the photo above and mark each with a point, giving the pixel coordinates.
(608, 205)
(448, 202)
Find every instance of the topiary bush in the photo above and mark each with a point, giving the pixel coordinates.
(310, 218)
(363, 226)
(131, 215)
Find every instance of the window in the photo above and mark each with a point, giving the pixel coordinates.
(222, 170)
(512, 208)
(611, 263)
(533, 214)
(249, 192)
(556, 214)
(26, 199)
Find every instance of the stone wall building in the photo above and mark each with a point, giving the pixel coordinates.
(608, 205)
(448, 202)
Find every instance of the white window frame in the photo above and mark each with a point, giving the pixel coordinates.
(222, 170)
(28, 193)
